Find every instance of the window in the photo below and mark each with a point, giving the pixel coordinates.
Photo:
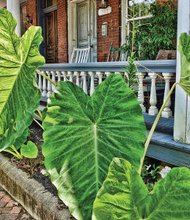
(49, 3)
(138, 12)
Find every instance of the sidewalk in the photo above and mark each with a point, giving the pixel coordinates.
(11, 210)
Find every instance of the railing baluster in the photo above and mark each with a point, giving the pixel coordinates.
(39, 78)
(84, 83)
(64, 75)
(77, 78)
(107, 74)
(53, 78)
(70, 74)
(44, 87)
(100, 75)
(58, 76)
(91, 82)
(166, 113)
(153, 110)
(48, 85)
(141, 90)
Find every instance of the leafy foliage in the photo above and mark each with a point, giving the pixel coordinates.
(125, 196)
(19, 58)
(157, 32)
(29, 150)
(82, 134)
(184, 48)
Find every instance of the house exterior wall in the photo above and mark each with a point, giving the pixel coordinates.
(61, 26)
(114, 29)
(112, 19)
(62, 31)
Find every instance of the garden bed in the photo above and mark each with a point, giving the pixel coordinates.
(33, 196)
(24, 181)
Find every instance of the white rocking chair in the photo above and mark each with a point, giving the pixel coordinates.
(80, 55)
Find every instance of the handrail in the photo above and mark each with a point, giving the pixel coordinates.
(159, 66)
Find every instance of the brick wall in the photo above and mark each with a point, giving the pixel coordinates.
(62, 31)
(61, 26)
(114, 29)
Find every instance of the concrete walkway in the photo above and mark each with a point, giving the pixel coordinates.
(11, 210)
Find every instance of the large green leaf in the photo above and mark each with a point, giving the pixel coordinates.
(82, 134)
(19, 95)
(184, 48)
(124, 196)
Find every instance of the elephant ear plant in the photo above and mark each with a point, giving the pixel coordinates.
(82, 135)
(124, 194)
(19, 95)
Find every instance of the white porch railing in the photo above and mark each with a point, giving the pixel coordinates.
(152, 76)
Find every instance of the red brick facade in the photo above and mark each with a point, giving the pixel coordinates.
(113, 20)
(61, 26)
(114, 29)
(62, 31)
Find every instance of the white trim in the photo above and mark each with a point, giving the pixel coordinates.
(124, 15)
(140, 18)
(14, 8)
(182, 104)
(72, 24)
(50, 9)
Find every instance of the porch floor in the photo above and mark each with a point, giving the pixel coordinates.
(163, 147)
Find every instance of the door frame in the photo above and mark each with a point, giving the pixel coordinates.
(72, 24)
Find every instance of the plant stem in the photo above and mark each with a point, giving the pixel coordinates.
(19, 156)
(46, 77)
(14, 152)
(154, 126)
(38, 124)
(11, 152)
(40, 114)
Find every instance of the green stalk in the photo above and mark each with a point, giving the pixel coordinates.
(14, 152)
(11, 152)
(19, 156)
(46, 77)
(154, 126)
(40, 114)
(38, 124)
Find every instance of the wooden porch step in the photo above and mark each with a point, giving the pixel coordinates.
(165, 125)
(164, 148)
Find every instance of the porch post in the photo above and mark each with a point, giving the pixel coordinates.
(182, 102)
(14, 7)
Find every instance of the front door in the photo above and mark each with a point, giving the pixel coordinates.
(86, 26)
(51, 37)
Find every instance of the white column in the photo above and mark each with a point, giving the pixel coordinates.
(182, 102)
(14, 7)
(166, 113)
(141, 90)
(153, 110)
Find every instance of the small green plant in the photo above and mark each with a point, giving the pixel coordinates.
(150, 175)
(28, 150)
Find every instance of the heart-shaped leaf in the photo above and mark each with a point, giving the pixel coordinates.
(82, 134)
(124, 195)
(19, 95)
(29, 150)
(184, 48)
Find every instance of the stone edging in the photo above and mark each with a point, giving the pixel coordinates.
(39, 203)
